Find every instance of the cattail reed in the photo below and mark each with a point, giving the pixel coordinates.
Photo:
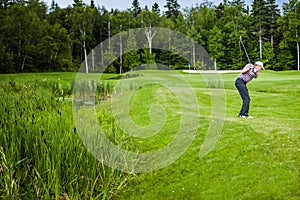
(44, 152)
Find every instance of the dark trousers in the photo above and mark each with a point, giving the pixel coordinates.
(243, 90)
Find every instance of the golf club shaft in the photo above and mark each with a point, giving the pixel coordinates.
(245, 49)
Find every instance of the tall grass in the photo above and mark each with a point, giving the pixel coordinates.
(41, 154)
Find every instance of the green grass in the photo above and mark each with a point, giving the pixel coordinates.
(254, 158)
(41, 154)
(43, 157)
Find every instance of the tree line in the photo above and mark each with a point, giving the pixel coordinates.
(37, 38)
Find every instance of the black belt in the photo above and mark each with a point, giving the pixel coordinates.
(241, 80)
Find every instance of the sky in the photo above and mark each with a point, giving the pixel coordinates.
(124, 4)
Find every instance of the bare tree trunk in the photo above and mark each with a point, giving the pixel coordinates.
(260, 42)
(84, 50)
(272, 43)
(260, 47)
(23, 64)
(93, 59)
(150, 36)
(298, 56)
(101, 48)
(169, 64)
(102, 59)
(298, 53)
(85, 58)
(215, 64)
(20, 47)
(194, 55)
(71, 51)
(121, 56)
(108, 35)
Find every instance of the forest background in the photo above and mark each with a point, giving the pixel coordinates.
(38, 38)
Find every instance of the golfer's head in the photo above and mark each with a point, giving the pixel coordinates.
(259, 65)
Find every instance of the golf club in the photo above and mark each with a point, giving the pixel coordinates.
(245, 49)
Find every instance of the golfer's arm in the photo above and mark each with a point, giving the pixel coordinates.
(255, 75)
(246, 69)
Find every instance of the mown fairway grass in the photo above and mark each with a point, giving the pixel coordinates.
(253, 159)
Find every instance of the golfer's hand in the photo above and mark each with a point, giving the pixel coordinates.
(246, 69)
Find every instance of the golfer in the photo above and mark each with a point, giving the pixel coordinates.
(249, 72)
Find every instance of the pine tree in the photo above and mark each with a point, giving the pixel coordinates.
(240, 3)
(92, 5)
(172, 8)
(273, 15)
(148, 59)
(219, 10)
(131, 57)
(289, 26)
(78, 3)
(260, 23)
(268, 56)
(155, 8)
(136, 8)
(4, 3)
(215, 44)
(53, 5)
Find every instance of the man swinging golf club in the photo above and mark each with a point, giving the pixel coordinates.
(249, 72)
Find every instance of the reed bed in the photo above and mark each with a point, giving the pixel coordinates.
(41, 154)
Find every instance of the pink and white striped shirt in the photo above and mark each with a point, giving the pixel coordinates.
(249, 75)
